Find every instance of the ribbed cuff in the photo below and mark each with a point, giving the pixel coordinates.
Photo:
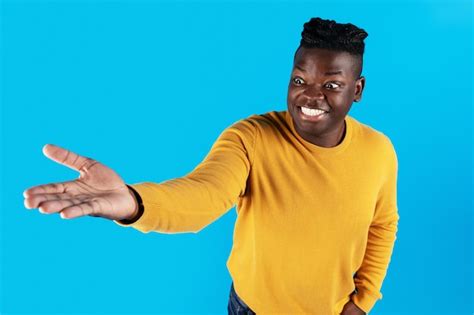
(140, 208)
(146, 222)
(364, 300)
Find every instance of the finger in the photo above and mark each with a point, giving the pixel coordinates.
(34, 201)
(55, 188)
(67, 157)
(53, 206)
(86, 208)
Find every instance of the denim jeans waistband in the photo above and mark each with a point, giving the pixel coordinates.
(236, 305)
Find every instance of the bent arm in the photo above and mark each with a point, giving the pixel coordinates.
(190, 203)
(381, 239)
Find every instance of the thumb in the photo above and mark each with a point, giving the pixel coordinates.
(65, 157)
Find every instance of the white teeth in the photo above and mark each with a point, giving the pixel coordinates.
(311, 112)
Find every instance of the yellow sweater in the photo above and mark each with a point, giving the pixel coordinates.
(308, 217)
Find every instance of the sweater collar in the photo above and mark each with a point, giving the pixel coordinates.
(319, 149)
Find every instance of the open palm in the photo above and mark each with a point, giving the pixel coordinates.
(98, 192)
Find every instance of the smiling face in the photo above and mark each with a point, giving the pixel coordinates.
(325, 80)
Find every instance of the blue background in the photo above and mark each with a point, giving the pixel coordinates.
(146, 88)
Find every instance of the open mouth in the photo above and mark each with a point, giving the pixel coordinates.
(311, 114)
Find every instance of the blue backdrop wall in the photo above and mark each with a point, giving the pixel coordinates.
(146, 87)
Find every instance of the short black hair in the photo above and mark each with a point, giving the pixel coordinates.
(328, 34)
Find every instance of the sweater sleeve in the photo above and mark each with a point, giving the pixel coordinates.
(191, 202)
(381, 239)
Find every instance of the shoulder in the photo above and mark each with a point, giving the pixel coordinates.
(375, 139)
(267, 118)
(260, 123)
(380, 146)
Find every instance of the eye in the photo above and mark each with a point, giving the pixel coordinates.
(298, 81)
(332, 85)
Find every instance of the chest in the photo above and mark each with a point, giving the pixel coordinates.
(333, 194)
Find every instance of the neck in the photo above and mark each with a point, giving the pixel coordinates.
(327, 141)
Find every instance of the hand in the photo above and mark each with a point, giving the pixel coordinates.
(98, 192)
(350, 308)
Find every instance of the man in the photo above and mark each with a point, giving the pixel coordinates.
(315, 191)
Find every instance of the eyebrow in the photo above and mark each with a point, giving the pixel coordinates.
(298, 67)
(326, 73)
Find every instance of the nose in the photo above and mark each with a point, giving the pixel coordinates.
(313, 92)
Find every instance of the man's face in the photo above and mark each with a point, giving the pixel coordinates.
(326, 80)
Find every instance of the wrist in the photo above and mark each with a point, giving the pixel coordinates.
(135, 203)
(138, 208)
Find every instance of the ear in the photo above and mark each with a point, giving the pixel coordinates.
(360, 84)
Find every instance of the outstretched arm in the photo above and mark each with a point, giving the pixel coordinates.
(190, 203)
